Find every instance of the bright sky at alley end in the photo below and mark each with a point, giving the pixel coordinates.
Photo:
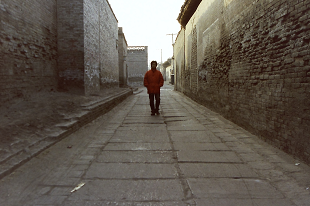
(147, 23)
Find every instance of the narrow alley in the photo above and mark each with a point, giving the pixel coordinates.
(188, 155)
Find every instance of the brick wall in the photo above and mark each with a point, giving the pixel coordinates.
(87, 36)
(253, 67)
(63, 44)
(70, 26)
(122, 55)
(179, 63)
(109, 64)
(137, 60)
(28, 48)
(92, 12)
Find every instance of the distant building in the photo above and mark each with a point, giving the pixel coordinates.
(165, 69)
(122, 56)
(137, 60)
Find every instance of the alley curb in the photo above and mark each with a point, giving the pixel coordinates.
(69, 125)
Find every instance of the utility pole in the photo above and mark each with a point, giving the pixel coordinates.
(172, 36)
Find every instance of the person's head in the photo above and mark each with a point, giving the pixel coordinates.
(153, 64)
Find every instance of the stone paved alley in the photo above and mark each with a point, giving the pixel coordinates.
(188, 155)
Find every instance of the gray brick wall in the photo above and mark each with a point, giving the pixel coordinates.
(178, 53)
(28, 48)
(109, 64)
(70, 25)
(88, 38)
(122, 54)
(254, 68)
(137, 59)
(92, 45)
(63, 44)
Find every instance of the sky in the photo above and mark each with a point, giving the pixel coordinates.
(147, 23)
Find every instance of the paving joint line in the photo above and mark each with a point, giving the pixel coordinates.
(187, 192)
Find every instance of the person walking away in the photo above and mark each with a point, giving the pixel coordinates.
(153, 80)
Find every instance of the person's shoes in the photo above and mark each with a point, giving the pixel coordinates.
(153, 113)
(157, 112)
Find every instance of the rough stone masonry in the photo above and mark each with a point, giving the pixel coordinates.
(249, 61)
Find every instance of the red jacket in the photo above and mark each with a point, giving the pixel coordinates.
(153, 80)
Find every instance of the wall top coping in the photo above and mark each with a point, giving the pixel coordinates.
(187, 10)
(112, 10)
(138, 48)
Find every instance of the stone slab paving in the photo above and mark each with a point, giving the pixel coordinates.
(136, 156)
(131, 171)
(216, 170)
(188, 155)
(233, 188)
(208, 156)
(133, 146)
(194, 137)
(142, 191)
(200, 146)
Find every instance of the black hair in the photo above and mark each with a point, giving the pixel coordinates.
(154, 62)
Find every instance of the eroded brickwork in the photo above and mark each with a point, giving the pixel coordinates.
(70, 29)
(254, 67)
(274, 75)
(193, 63)
(28, 48)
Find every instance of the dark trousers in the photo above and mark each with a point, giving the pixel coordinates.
(157, 97)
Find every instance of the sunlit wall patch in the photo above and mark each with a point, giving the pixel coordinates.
(227, 2)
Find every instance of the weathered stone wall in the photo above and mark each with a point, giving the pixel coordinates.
(137, 60)
(179, 63)
(87, 36)
(122, 55)
(69, 44)
(92, 12)
(28, 46)
(70, 29)
(253, 67)
(109, 64)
